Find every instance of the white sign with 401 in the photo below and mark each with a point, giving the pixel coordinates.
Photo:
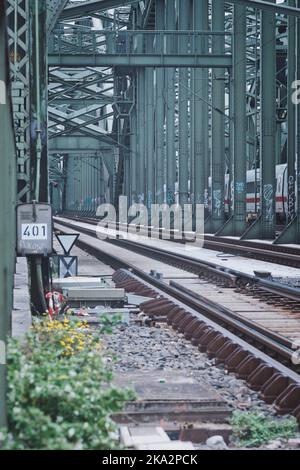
(34, 231)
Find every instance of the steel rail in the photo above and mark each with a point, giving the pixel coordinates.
(270, 341)
(235, 276)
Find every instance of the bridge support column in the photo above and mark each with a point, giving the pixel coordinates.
(38, 101)
(8, 192)
(199, 122)
(141, 126)
(292, 232)
(159, 108)
(264, 227)
(149, 141)
(183, 24)
(170, 108)
(217, 217)
(236, 225)
(133, 196)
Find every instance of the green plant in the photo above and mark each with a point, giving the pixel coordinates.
(252, 429)
(59, 398)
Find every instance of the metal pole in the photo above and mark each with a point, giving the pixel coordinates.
(141, 134)
(160, 105)
(7, 215)
(200, 98)
(291, 142)
(149, 91)
(38, 99)
(218, 122)
(268, 124)
(297, 237)
(133, 156)
(240, 121)
(170, 106)
(102, 182)
(183, 23)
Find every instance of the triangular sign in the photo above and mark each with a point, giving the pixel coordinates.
(67, 241)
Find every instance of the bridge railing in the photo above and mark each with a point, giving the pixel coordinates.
(128, 43)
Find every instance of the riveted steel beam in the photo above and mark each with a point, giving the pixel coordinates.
(282, 9)
(159, 110)
(199, 124)
(217, 218)
(183, 22)
(7, 212)
(236, 225)
(170, 78)
(93, 6)
(180, 61)
(264, 227)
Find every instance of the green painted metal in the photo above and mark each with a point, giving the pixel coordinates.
(149, 93)
(199, 130)
(92, 6)
(183, 23)
(217, 218)
(170, 108)
(38, 102)
(264, 227)
(269, 6)
(133, 156)
(8, 193)
(76, 144)
(291, 144)
(107, 60)
(292, 232)
(159, 109)
(54, 10)
(236, 225)
(157, 57)
(17, 13)
(141, 130)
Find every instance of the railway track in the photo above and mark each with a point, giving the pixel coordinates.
(208, 311)
(285, 255)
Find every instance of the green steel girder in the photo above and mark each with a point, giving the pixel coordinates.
(82, 102)
(77, 144)
(282, 9)
(54, 9)
(141, 60)
(66, 118)
(8, 193)
(131, 43)
(18, 46)
(86, 80)
(148, 12)
(93, 6)
(75, 127)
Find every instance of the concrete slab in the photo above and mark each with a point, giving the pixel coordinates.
(131, 437)
(173, 445)
(82, 283)
(170, 396)
(21, 313)
(94, 295)
(137, 300)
